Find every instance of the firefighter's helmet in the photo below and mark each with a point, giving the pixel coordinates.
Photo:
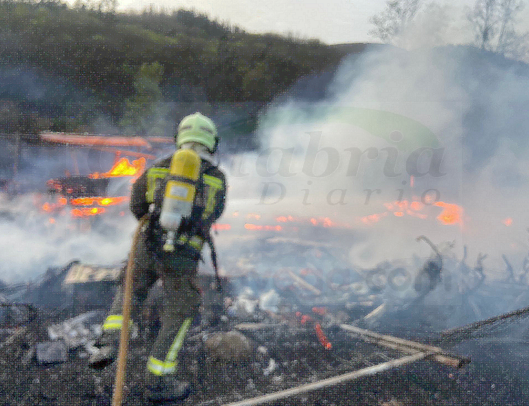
(197, 128)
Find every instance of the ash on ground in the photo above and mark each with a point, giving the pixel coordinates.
(271, 331)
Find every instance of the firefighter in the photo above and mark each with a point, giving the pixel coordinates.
(170, 254)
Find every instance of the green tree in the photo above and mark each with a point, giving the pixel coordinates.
(145, 111)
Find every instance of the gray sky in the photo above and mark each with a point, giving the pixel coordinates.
(331, 21)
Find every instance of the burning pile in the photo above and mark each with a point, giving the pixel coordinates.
(86, 196)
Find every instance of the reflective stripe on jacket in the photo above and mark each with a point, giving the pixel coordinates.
(208, 206)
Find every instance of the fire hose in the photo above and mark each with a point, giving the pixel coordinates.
(124, 338)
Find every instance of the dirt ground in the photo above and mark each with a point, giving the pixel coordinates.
(493, 378)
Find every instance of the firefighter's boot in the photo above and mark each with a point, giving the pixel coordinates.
(167, 389)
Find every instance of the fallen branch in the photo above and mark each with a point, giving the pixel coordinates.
(438, 354)
(331, 381)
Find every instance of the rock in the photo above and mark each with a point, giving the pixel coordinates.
(79, 330)
(228, 346)
(51, 352)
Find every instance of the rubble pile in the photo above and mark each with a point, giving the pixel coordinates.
(284, 321)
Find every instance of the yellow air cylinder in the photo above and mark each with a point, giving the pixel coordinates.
(179, 192)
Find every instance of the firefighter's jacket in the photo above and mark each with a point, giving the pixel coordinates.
(147, 197)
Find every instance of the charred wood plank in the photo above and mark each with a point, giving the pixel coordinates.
(438, 354)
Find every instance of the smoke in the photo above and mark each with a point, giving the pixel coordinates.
(31, 244)
(33, 240)
(446, 124)
(437, 25)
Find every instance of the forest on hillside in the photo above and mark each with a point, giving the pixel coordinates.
(88, 68)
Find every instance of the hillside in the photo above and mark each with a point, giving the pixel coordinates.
(74, 69)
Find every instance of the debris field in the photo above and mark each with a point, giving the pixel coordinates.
(294, 336)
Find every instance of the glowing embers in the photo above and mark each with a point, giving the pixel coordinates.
(53, 207)
(221, 227)
(249, 226)
(373, 218)
(290, 223)
(451, 213)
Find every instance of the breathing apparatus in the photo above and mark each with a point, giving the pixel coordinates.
(184, 174)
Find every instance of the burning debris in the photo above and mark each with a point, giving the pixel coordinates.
(94, 194)
(293, 322)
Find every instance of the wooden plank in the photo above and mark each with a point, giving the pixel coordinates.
(438, 354)
(304, 284)
(331, 381)
(465, 332)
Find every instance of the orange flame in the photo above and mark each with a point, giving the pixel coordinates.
(123, 167)
(451, 214)
(507, 221)
(51, 207)
(101, 201)
(87, 211)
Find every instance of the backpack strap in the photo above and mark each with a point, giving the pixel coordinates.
(199, 229)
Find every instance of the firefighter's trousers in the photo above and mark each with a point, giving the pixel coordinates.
(181, 301)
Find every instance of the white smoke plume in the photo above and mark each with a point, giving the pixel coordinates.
(474, 103)
(31, 244)
(33, 240)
